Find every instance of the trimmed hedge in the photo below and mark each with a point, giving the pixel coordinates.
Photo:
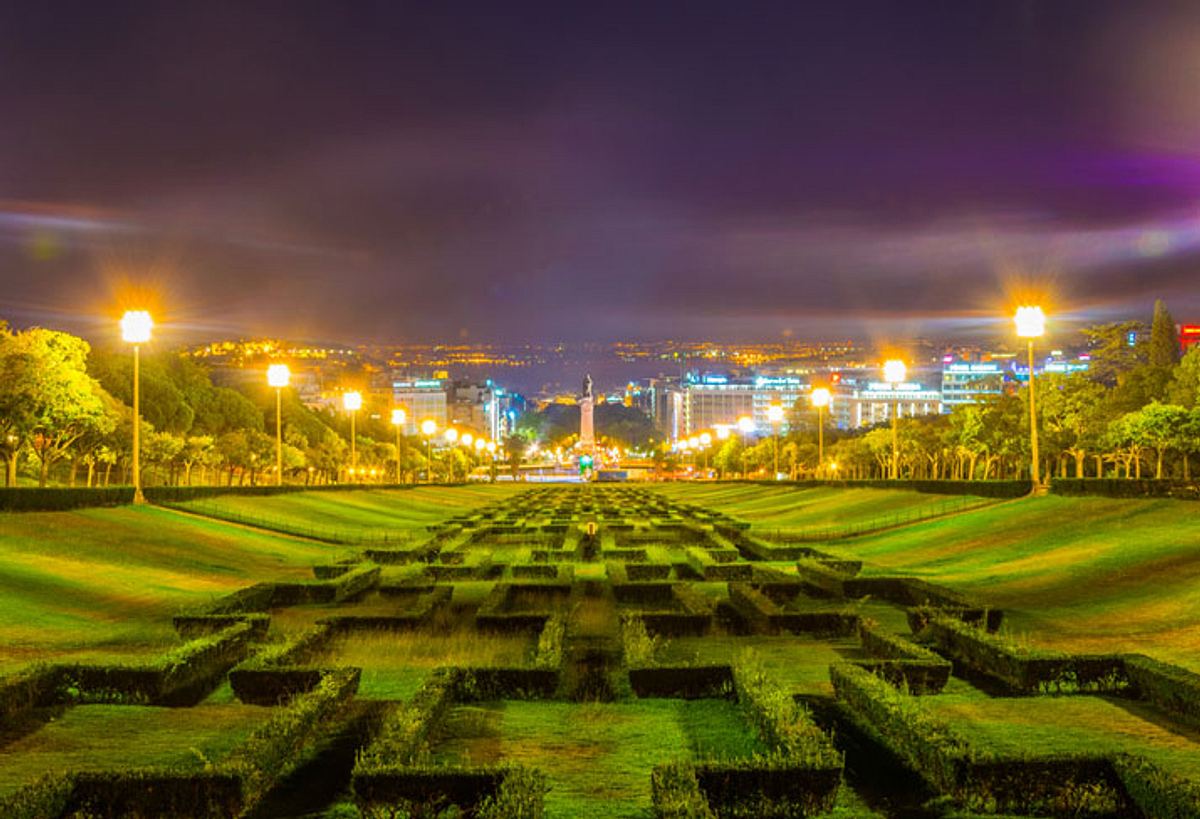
(682, 682)
(1173, 689)
(1063, 784)
(176, 678)
(272, 751)
(675, 792)
(982, 489)
(31, 499)
(903, 662)
(1158, 794)
(1026, 670)
(1126, 488)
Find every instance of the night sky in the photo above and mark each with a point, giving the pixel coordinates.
(514, 171)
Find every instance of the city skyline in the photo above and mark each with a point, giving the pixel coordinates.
(399, 175)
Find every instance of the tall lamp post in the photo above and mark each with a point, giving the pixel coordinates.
(278, 376)
(706, 440)
(1031, 324)
(451, 436)
(820, 399)
(775, 416)
(399, 417)
(135, 330)
(352, 401)
(894, 372)
(428, 429)
(745, 426)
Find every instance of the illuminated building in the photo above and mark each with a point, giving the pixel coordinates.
(422, 398)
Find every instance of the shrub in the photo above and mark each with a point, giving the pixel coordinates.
(675, 792)
(1157, 793)
(521, 795)
(46, 499)
(1171, 688)
(784, 724)
(640, 647)
(550, 642)
(1126, 488)
(274, 749)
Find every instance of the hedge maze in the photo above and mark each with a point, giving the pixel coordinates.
(600, 651)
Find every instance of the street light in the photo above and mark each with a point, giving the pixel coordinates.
(820, 399)
(894, 372)
(399, 417)
(451, 437)
(1031, 324)
(775, 416)
(278, 376)
(706, 440)
(352, 401)
(745, 425)
(429, 429)
(135, 330)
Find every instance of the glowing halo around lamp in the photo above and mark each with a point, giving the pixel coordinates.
(894, 371)
(428, 426)
(352, 401)
(820, 397)
(278, 375)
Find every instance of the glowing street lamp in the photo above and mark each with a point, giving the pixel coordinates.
(135, 330)
(399, 418)
(775, 416)
(745, 425)
(278, 376)
(894, 372)
(352, 401)
(820, 398)
(429, 429)
(706, 440)
(1031, 324)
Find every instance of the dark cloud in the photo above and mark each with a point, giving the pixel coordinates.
(405, 171)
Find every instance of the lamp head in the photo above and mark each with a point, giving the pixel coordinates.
(451, 435)
(136, 326)
(775, 413)
(352, 401)
(820, 397)
(278, 375)
(399, 416)
(894, 371)
(745, 424)
(467, 439)
(1030, 321)
(428, 426)
(705, 439)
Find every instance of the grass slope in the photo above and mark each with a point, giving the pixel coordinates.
(1082, 574)
(784, 507)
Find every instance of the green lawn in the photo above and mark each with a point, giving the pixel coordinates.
(1070, 724)
(1081, 574)
(356, 513)
(112, 737)
(791, 508)
(88, 583)
(597, 757)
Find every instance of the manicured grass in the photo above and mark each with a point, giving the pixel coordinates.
(799, 663)
(1079, 574)
(394, 664)
(597, 757)
(790, 508)
(355, 513)
(80, 584)
(1047, 725)
(112, 737)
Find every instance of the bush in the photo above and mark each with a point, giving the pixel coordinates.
(1171, 688)
(1157, 793)
(273, 750)
(550, 642)
(1126, 488)
(784, 724)
(521, 795)
(675, 792)
(983, 489)
(31, 499)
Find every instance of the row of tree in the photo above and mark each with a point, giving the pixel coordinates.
(1134, 413)
(65, 416)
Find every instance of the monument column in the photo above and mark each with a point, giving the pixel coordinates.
(587, 434)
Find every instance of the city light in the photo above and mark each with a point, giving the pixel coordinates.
(278, 376)
(706, 439)
(352, 401)
(745, 425)
(428, 427)
(451, 435)
(467, 439)
(399, 416)
(480, 444)
(136, 326)
(894, 371)
(820, 397)
(1030, 321)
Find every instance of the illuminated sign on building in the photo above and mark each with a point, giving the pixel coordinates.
(1189, 334)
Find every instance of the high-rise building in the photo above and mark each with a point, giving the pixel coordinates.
(423, 399)
(969, 382)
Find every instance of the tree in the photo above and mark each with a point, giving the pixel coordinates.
(1184, 388)
(59, 401)
(1164, 343)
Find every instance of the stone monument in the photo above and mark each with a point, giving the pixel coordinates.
(587, 433)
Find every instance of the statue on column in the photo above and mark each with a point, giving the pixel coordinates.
(587, 434)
